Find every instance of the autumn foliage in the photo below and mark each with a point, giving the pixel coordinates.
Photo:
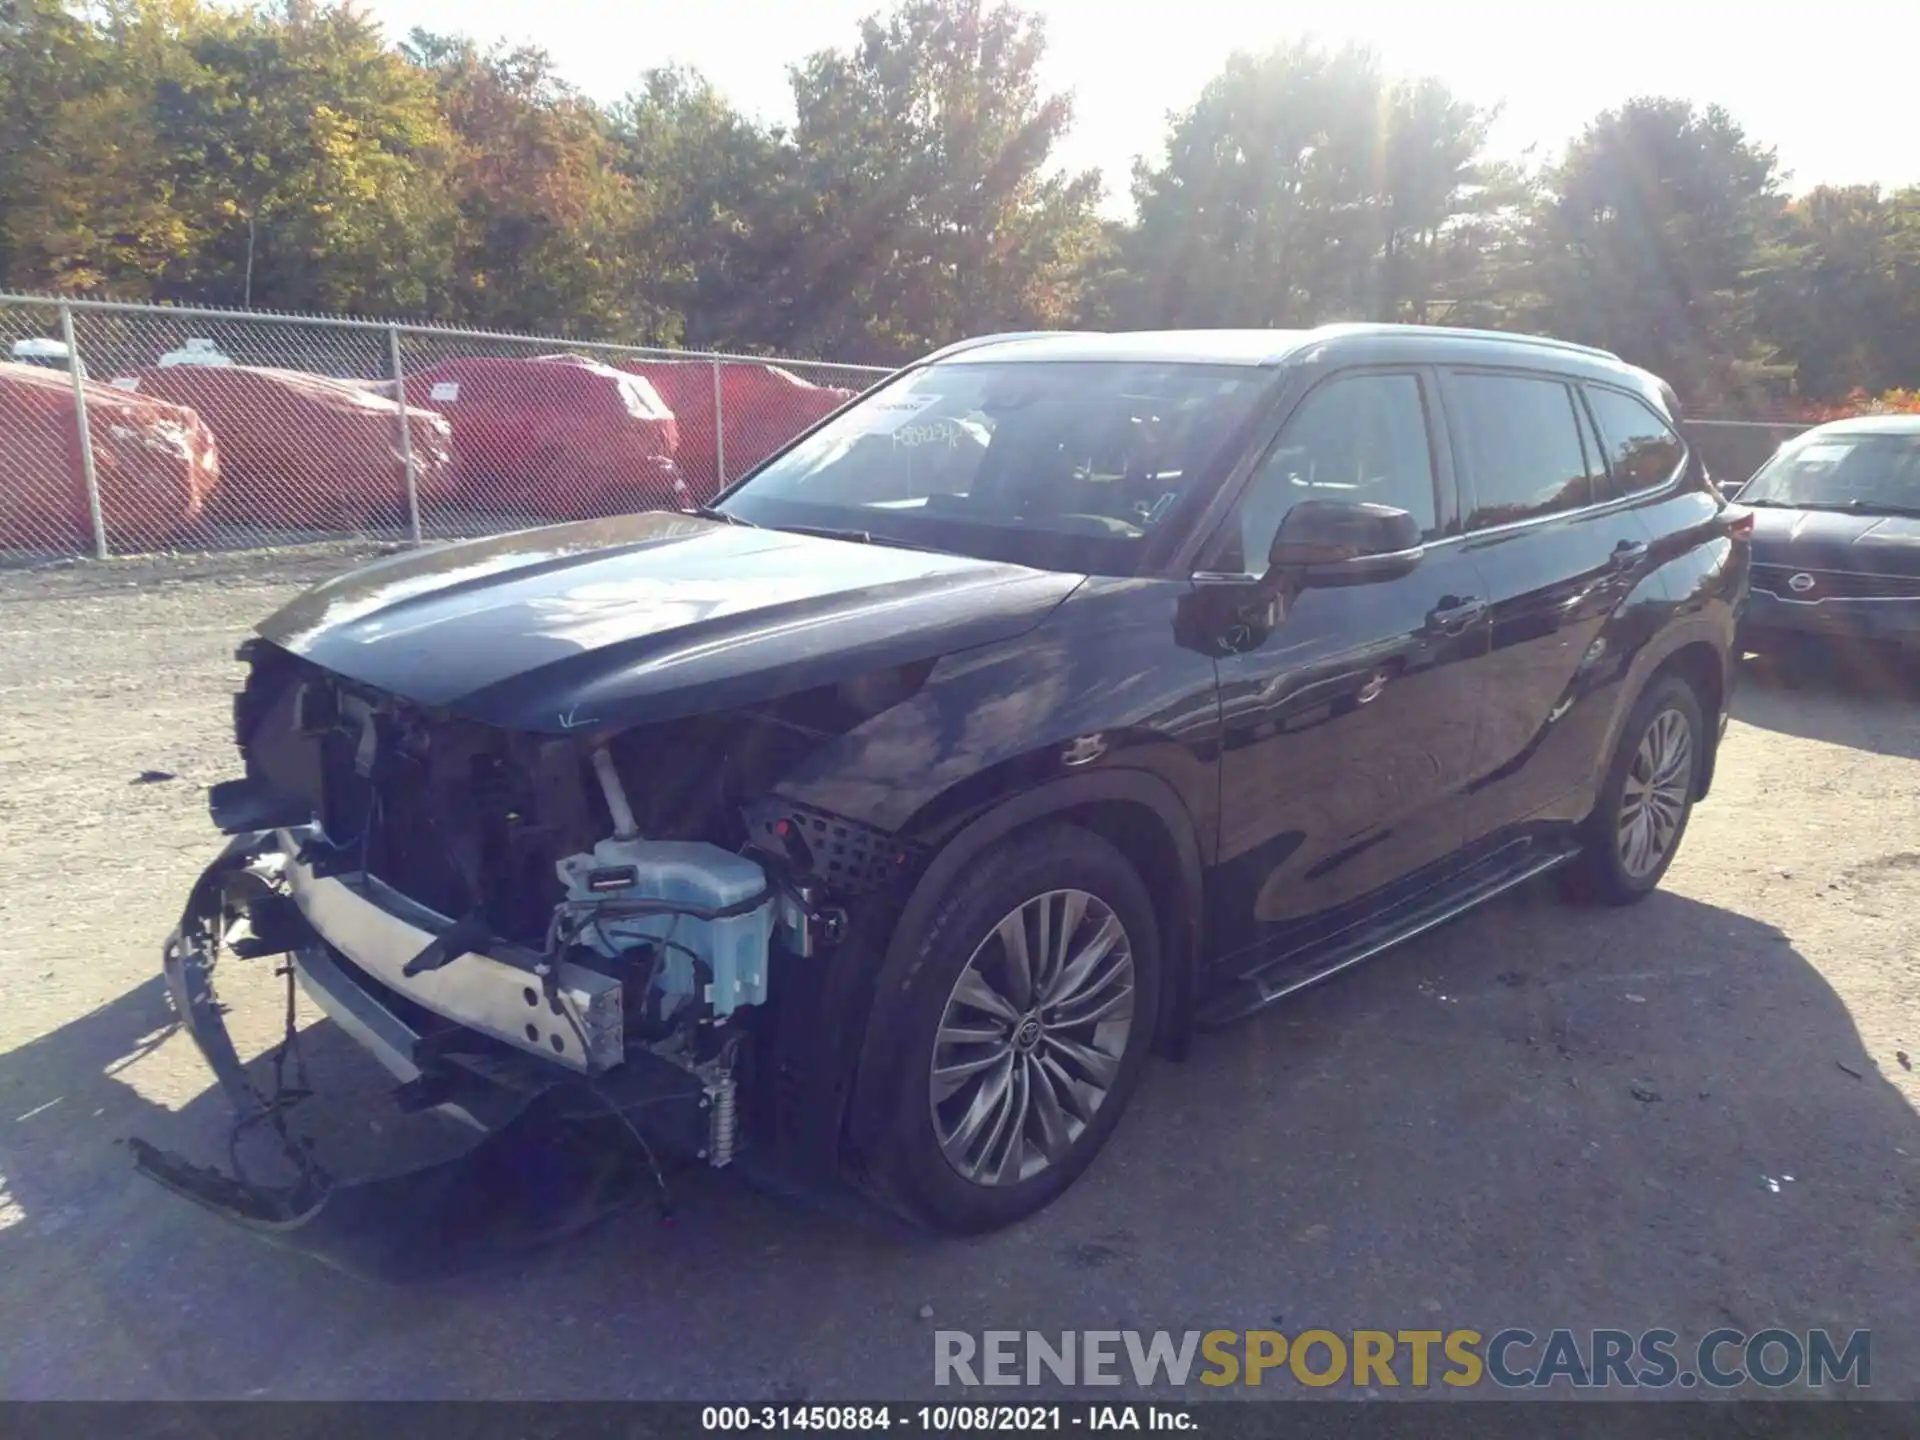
(1859, 402)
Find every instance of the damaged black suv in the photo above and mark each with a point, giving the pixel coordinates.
(1062, 695)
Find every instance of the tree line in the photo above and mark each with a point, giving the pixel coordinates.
(289, 157)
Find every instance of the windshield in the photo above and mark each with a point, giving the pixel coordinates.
(1841, 472)
(1070, 465)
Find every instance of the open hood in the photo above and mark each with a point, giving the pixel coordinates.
(608, 623)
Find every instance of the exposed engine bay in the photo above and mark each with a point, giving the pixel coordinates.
(591, 925)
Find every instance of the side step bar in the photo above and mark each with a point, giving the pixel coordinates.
(1503, 871)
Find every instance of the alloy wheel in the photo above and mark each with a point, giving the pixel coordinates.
(1653, 802)
(1032, 1037)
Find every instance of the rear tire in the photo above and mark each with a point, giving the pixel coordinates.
(1641, 814)
(1002, 1081)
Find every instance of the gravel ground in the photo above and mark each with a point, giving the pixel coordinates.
(1694, 1113)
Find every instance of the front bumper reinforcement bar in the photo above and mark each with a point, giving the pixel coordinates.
(539, 1172)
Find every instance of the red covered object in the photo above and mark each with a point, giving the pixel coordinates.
(764, 405)
(155, 463)
(557, 438)
(305, 451)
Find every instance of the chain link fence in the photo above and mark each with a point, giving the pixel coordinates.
(1734, 449)
(129, 429)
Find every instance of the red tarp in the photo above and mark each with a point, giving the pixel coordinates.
(305, 451)
(557, 437)
(155, 463)
(764, 405)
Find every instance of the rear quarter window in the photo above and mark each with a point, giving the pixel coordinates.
(1642, 450)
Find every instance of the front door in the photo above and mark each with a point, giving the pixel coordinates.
(1348, 714)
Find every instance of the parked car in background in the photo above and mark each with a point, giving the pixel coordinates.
(1061, 696)
(195, 352)
(305, 451)
(156, 464)
(551, 438)
(764, 406)
(1836, 544)
(42, 351)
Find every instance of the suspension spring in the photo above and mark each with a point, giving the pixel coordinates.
(723, 1120)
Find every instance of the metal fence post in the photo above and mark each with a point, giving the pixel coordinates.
(719, 428)
(406, 437)
(87, 475)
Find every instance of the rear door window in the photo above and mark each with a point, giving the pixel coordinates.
(1518, 438)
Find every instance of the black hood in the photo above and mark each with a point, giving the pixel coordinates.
(1840, 540)
(643, 617)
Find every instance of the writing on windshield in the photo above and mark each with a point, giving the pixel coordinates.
(1863, 472)
(968, 455)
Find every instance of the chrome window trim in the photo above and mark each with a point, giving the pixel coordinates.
(1616, 502)
(1817, 570)
(1780, 599)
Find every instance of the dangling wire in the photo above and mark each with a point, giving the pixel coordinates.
(625, 1117)
(274, 1108)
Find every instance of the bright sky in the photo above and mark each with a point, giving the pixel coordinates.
(1828, 85)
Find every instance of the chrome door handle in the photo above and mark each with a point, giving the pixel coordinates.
(1627, 554)
(1454, 614)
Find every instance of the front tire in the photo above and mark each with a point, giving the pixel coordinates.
(1644, 804)
(1029, 1004)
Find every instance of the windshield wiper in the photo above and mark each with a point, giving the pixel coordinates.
(707, 512)
(861, 537)
(1859, 507)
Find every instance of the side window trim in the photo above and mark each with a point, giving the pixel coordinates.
(1600, 478)
(1613, 481)
(1598, 469)
(1448, 514)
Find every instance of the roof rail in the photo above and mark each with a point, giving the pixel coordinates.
(975, 342)
(1545, 342)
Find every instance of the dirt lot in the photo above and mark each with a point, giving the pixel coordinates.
(1695, 1113)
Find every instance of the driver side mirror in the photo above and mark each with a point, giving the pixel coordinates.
(1344, 542)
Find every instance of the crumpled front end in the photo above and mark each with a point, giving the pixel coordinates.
(577, 969)
(551, 1155)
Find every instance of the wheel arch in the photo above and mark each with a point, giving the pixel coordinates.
(1696, 651)
(1701, 666)
(1136, 812)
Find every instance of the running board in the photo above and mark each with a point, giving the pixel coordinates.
(1253, 991)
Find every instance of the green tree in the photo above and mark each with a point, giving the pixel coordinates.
(1304, 185)
(87, 190)
(1444, 211)
(917, 205)
(716, 196)
(308, 156)
(548, 215)
(1846, 312)
(1650, 239)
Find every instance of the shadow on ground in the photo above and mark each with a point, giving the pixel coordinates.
(1539, 1117)
(1865, 700)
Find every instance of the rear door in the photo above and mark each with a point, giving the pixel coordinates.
(1348, 713)
(1560, 553)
